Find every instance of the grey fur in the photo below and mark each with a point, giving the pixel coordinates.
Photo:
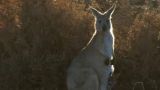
(88, 70)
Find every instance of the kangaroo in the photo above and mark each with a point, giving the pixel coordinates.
(88, 70)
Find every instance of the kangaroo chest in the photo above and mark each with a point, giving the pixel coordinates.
(105, 45)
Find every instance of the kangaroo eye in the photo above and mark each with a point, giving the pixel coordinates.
(107, 20)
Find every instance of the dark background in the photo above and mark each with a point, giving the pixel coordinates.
(39, 38)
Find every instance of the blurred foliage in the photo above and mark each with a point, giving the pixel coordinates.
(39, 38)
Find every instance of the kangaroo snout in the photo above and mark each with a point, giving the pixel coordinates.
(104, 27)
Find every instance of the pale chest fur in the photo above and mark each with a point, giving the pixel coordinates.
(105, 44)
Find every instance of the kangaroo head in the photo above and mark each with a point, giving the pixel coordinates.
(103, 20)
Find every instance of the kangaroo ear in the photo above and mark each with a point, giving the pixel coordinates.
(94, 11)
(109, 12)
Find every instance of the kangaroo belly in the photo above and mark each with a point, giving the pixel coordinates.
(82, 79)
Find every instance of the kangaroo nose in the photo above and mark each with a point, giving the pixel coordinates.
(104, 27)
